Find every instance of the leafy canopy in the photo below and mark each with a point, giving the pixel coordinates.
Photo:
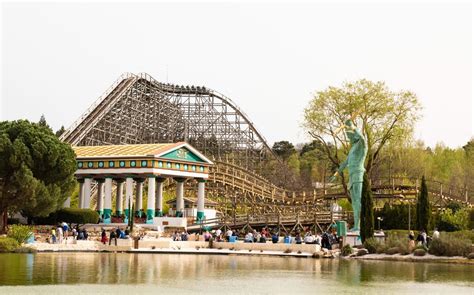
(36, 169)
(382, 115)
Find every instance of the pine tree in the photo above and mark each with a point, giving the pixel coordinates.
(42, 123)
(423, 210)
(367, 211)
(60, 131)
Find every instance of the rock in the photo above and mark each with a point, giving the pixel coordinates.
(393, 250)
(419, 252)
(470, 256)
(362, 252)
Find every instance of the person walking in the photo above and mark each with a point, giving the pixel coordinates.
(53, 235)
(113, 235)
(59, 232)
(411, 241)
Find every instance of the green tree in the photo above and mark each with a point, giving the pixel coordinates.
(423, 210)
(367, 211)
(36, 169)
(283, 149)
(60, 131)
(42, 123)
(383, 116)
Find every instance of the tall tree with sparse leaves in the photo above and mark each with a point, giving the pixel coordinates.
(423, 210)
(367, 211)
(36, 169)
(384, 116)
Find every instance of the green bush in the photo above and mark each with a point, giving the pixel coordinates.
(446, 246)
(347, 250)
(471, 219)
(395, 216)
(394, 241)
(19, 232)
(8, 244)
(371, 244)
(69, 215)
(460, 235)
(75, 215)
(449, 220)
(392, 250)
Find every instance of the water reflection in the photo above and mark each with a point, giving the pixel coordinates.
(174, 270)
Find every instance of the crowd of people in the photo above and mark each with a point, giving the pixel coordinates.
(326, 240)
(422, 239)
(60, 233)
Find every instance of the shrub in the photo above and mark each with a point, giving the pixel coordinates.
(8, 244)
(395, 242)
(419, 252)
(69, 215)
(347, 250)
(392, 250)
(449, 220)
(75, 215)
(471, 219)
(371, 245)
(20, 233)
(287, 251)
(445, 246)
(470, 256)
(316, 255)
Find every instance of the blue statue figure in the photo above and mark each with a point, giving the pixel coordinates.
(355, 162)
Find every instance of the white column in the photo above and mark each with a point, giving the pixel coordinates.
(200, 199)
(128, 195)
(108, 200)
(100, 196)
(80, 197)
(179, 197)
(150, 204)
(119, 198)
(159, 197)
(139, 200)
(87, 193)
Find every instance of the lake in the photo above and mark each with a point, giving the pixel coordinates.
(109, 273)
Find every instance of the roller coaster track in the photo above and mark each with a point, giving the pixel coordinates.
(138, 109)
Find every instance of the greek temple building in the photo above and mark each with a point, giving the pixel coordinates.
(133, 167)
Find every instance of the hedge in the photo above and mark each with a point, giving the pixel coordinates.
(8, 244)
(70, 215)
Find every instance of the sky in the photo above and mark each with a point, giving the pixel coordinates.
(58, 58)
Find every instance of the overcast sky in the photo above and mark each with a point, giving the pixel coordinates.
(268, 58)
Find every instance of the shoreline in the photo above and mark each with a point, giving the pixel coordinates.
(239, 249)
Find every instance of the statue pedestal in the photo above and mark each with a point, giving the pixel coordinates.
(353, 238)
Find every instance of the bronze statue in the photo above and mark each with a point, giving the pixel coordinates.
(355, 162)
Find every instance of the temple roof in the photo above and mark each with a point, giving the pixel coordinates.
(123, 150)
(180, 151)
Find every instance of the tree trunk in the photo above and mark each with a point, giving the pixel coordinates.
(3, 222)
